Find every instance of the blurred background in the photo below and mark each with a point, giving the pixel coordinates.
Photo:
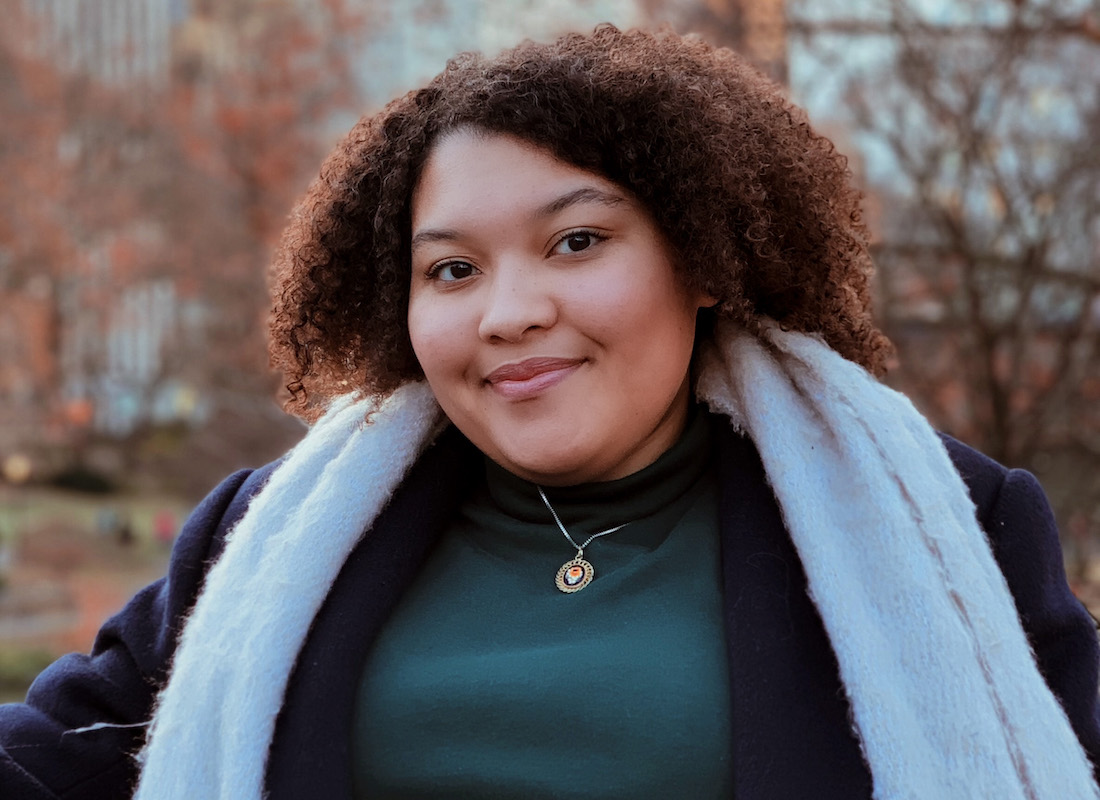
(150, 151)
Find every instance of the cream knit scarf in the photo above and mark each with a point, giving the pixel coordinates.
(946, 698)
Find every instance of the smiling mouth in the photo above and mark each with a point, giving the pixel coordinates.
(530, 378)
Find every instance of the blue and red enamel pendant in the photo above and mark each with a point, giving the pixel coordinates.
(574, 575)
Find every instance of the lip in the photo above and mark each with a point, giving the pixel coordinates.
(530, 377)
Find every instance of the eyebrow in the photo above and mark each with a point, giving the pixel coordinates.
(433, 235)
(585, 194)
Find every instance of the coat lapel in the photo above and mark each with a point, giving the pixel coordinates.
(791, 734)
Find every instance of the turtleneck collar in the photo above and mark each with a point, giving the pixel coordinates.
(590, 507)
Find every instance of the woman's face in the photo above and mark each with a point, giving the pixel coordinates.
(545, 312)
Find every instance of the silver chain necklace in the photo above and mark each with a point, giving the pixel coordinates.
(577, 573)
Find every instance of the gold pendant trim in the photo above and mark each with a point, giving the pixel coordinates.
(574, 575)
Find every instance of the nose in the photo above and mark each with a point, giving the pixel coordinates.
(518, 300)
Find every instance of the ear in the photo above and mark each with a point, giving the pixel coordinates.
(703, 300)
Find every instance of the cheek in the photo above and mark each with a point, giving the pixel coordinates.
(444, 347)
(657, 319)
(666, 341)
(427, 333)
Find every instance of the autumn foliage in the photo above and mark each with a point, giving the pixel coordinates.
(137, 212)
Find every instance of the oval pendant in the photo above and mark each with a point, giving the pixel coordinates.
(574, 575)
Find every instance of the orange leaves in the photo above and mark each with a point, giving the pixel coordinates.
(181, 180)
(234, 121)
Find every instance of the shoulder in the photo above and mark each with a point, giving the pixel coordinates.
(982, 475)
(1008, 502)
(203, 534)
(154, 616)
(1012, 509)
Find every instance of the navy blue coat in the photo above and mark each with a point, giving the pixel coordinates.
(791, 736)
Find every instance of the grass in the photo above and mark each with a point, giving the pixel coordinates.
(63, 523)
(32, 508)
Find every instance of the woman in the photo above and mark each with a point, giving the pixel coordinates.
(499, 305)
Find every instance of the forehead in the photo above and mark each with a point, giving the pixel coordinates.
(471, 173)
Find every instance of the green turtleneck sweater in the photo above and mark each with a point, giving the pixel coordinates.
(489, 682)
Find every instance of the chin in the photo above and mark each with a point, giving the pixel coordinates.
(551, 469)
(549, 473)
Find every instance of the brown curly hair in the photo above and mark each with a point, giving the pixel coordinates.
(758, 207)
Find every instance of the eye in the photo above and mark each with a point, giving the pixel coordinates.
(451, 271)
(576, 241)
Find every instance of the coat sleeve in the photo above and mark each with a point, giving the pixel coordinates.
(84, 717)
(1016, 516)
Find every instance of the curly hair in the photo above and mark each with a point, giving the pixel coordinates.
(758, 207)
